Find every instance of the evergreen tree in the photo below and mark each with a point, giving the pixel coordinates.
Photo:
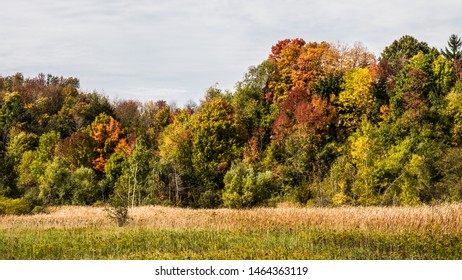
(454, 52)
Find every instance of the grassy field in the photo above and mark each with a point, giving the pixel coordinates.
(427, 232)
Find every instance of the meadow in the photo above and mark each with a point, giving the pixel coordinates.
(72, 232)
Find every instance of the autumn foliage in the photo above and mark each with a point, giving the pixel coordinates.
(316, 123)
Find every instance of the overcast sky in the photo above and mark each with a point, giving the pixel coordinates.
(175, 49)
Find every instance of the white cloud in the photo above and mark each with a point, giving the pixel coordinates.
(121, 45)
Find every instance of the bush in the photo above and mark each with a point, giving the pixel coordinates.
(84, 185)
(246, 188)
(16, 206)
(209, 199)
(38, 210)
(118, 210)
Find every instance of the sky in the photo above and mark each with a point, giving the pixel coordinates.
(175, 49)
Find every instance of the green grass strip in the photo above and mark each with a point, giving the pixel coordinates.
(130, 243)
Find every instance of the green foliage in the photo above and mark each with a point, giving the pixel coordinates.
(330, 85)
(44, 152)
(16, 206)
(400, 51)
(118, 210)
(450, 168)
(55, 187)
(84, 187)
(454, 52)
(216, 139)
(246, 188)
(209, 199)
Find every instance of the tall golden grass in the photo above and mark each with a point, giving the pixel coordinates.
(440, 218)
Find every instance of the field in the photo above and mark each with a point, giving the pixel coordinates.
(426, 232)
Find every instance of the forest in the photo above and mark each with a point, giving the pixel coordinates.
(315, 124)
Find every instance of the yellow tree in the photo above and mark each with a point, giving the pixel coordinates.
(364, 153)
(454, 110)
(175, 152)
(356, 99)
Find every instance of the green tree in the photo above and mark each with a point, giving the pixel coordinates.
(217, 141)
(84, 187)
(44, 153)
(454, 52)
(55, 187)
(252, 111)
(246, 188)
(12, 114)
(400, 51)
(450, 167)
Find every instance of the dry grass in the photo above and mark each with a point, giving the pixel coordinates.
(441, 218)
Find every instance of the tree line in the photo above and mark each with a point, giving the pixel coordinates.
(316, 124)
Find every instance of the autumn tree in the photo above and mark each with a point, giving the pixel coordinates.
(300, 111)
(77, 150)
(314, 62)
(364, 151)
(298, 149)
(350, 57)
(356, 99)
(108, 136)
(155, 116)
(175, 152)
(284, 55)
(454, 111)
(128, 113)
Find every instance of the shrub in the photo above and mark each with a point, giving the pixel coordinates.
(118, 210)
(16, 206)
(209, 199)
(38, 210)
(246, 188)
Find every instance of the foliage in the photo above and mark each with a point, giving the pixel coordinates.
(403, 49)
(16, 206)
(216, 140)
(118, 210)
(316, 123)
(246, 188)
(108, 136)
(454, 52)
(356, 100)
